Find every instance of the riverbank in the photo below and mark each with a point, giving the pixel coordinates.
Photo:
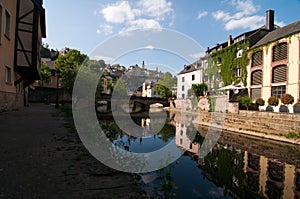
(283, 127)
(42, 157)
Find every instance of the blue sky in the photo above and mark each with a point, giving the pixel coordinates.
(86, 24)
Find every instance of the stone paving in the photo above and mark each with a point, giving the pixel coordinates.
(42, 157)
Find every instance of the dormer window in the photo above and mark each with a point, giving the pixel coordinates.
(239, 53)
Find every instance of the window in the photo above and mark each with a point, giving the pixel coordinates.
(193, 77)
(181, 132)
(279, 74)
(239, 53)
(182, 79)
(182, 88)
(50, 81)
(238, 72)
(7, 24)
(277, 91)
(256, 78)
(257, 59)
(183, 96)
(7, 75)
(255, 93)
(180, 141)
(279, 52)
(219, 60)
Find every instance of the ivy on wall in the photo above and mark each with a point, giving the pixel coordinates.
(229, 64)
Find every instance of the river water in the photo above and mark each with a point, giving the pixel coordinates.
(226, 166)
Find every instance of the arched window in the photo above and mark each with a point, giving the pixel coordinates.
(279, 74)
(256, 77)
(279, 52)
(257, 58)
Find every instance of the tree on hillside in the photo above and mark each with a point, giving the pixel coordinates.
(165, 85)
(67, 66)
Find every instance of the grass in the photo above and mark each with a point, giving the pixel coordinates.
(292, 135)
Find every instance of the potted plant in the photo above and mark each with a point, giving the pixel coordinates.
(297, 106)
(259, 103)
(286, 99)
(272, 101)
(246, 101)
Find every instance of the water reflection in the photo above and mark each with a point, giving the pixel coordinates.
(235, 167)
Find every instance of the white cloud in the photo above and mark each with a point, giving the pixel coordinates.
(105, 29)
(221, 15)
(202, 14)
(144, 23)
(280, 23)
(105, 58)
(135, 15)
(118, 12)
(197, 55)
(244, 17)
(158, 9)
(252, 22)
(150, 47)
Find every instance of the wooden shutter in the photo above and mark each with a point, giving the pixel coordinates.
(256, 78)
(279, 74)
(280, 52)
(257, 58)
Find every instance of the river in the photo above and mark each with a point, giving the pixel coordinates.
(235, 166)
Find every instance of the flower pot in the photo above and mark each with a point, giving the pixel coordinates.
(283, 109)
(296, 109)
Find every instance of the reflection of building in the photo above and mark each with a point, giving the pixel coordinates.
(22, 25)
(271, 178)
(243, 173)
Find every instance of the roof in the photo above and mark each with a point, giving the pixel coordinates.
(189, 68)
(279, 33)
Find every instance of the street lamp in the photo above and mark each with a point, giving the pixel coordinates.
(57, 88)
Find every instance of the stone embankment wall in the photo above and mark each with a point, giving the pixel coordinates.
(253, 121)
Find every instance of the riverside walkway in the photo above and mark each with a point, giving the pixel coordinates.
(42, 157)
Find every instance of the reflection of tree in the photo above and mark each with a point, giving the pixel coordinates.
(225, 167)
(167, 132)
(166, 182)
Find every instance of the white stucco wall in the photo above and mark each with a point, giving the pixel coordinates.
(188, 82)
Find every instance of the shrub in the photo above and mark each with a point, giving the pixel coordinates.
(297, 103)
(245, 101)
(287, 99)
(273, 101)
(260, 102)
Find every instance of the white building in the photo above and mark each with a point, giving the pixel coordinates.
(191, 74)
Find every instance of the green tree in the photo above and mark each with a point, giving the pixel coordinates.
(68, 65)
(245, 101)
(165, 85)
(120, 87)
(45, 73)
(197, 90)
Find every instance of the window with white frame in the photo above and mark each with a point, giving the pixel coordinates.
(182, 79)
(193, 77)
(238, 71)
(182, 88)
(239, 53)
(7, 75)
(7, 22)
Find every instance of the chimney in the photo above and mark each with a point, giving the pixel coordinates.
(230, 41)
(270, 20)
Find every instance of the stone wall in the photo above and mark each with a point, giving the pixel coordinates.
(255, 121)
(48, 95)
(11, 101)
